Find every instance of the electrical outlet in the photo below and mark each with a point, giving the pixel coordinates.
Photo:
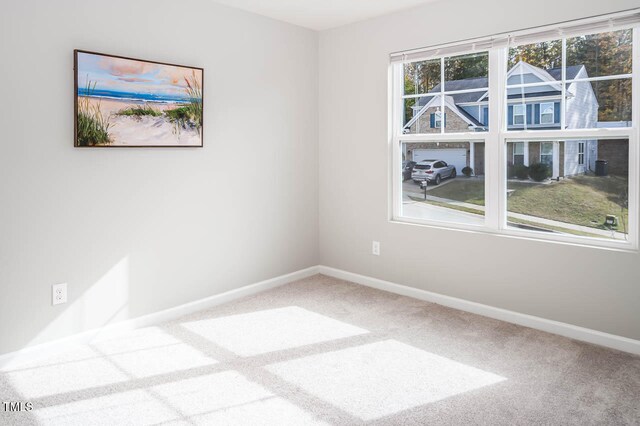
(59, 294)
(375, 248)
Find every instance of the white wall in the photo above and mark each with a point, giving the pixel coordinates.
(593, 288)
(134, 231)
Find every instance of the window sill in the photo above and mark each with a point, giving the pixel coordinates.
(533, 236)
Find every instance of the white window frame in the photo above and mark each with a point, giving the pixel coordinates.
(581, 146)
(545, 154)
(497, 137)
(437, 119)
(542, 113)
(513, 156)
(522, 114)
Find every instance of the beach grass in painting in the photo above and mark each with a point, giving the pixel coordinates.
(127, 102)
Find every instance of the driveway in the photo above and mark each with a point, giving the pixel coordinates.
(410, 188)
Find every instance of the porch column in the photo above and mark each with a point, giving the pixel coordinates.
(556, 160)
(526, 153)
(472, 157)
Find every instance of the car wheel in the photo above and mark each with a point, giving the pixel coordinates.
(437, 179)
(453, 173)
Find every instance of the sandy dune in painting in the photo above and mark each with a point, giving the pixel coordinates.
(144, 130)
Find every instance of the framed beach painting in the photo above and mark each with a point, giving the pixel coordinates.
(125, 102)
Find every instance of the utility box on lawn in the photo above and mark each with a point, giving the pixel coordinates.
(602, 168)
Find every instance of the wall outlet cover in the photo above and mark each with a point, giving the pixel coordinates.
(375, 248)
(59, 294)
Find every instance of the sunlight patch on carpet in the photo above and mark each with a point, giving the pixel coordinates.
(219, 398)
(271, 330)
(382, 378)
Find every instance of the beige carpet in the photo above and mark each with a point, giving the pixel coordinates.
(325, 351)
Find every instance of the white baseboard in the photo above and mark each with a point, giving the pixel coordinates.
(111, 330)
(563, 329)
(574, 332)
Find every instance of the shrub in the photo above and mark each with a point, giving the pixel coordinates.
(520, 171)
(467, 171)
(539, 172)
(139, 111)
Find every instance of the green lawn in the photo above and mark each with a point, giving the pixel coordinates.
(581, 200)
(468, 190)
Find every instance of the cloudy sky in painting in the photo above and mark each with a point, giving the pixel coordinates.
(129, 76)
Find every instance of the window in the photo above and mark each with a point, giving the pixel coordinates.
(558, 117)
(547, 112)
(578, 205)
(581, 153)
(437, 120)
(518, 153)
(518, 114)
(442, 165)
(546, 154)
(443, 95)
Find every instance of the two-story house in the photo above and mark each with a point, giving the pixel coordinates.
(531, 107)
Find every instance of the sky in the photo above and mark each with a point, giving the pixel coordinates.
(126, 75)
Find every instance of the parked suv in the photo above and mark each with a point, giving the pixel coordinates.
(432, 171)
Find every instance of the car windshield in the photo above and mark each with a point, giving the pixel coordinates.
(422, 166)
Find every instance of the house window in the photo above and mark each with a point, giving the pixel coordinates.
(518, 114)
(547, 112)
(456, 84)
(518, 153)
(580, 82)
(576, 207)
(432, 189)
(437, 120)
(546, 153)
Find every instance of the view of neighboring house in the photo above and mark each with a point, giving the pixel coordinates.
(532, 107)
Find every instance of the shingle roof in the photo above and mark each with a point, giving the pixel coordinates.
(470, 117)
(572, 72)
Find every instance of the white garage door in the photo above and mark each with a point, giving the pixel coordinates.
(457, 157)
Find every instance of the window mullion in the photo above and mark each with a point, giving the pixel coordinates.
(442, 103)
(564, 85)
(397, 121)
(634, 141)
(494, 148)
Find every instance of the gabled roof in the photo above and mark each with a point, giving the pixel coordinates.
(449, 103)
(572, 72)
(552, 75)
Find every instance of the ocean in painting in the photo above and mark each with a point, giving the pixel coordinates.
(127, 102)
(129, 96)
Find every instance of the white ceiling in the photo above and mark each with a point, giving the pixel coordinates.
(322, 14)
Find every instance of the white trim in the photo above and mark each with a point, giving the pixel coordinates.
(550, 326)
(59, 345)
